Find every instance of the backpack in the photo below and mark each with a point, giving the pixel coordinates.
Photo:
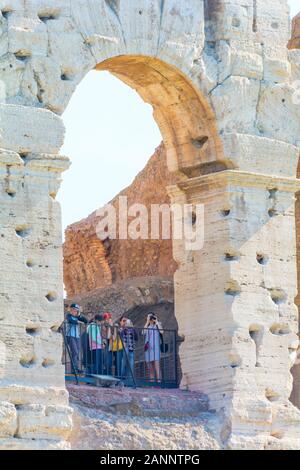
(164, 347)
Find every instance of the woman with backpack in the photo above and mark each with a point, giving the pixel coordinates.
(96, 344)
(129, 338)
(153, 333)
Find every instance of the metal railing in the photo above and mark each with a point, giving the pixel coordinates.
(132, 356)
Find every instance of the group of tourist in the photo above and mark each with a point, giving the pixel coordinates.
(108, 347)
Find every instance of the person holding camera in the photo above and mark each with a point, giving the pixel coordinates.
(73, 333)
(153, 337)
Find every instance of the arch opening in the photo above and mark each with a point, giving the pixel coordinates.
(192, 148)
(185, 119)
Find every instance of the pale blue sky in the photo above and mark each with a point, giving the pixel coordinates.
(110, 135)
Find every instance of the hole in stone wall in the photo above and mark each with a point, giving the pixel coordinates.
(51, 296)
(278, 296)
(48, 15)
(199, 142)
(232, 255)
(33, 330)
(30, 263)
(24, 156)
(275, 25)
(22, 55)
(273, 193)
(23, 231)
(272, 212)
(236, 22)
(232, 288)
(225, 212)
(66, 77)
(194, 218)
(11, 192)
(6, 13)
(256, 334)
(271, 395)
(28, 362)
(280, 329)
(262, 259)
(48, 363)
(40, 95)
(235, 360)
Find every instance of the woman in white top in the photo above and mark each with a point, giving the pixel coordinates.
(152, 333)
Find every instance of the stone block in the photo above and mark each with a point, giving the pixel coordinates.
(20, 394)
(8, 420)
(279, 100)
(235, 102)
(261, 154)
(27, 37)
(31, 444)
(30, 130)
(44, 422)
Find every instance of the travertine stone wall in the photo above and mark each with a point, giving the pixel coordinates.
(34, 403)
(241, 305)
(222, 84)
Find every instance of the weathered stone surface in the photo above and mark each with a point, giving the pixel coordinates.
(256, 317)
(235, 103)
(22, 395)
(99, 431)
(31, 444)
(26, 130)
(148, 419)
(261, 154)
(8, 420)
(44, 422)
(141, 402)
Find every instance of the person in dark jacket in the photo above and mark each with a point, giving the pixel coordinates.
(73, 332)
(129, 338)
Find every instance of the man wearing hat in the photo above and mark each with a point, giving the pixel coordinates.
(74, 318)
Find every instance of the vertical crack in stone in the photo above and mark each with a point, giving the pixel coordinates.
(162, 9)
(114, 6)
(254, 26)
(39, 86)
(256, 334)
(7, 179)
(17, 430)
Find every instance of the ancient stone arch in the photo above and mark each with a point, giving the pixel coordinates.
(223, 86)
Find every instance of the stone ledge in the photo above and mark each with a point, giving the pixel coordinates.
(261, 155)
(26, 129)
(23, 395)
(217, 181)
(150, 402)
(33, 444)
